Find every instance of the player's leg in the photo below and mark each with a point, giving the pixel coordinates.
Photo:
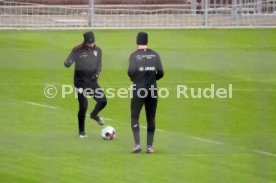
(82, 112)
(101, 102)
(150, 107)
(136, 106)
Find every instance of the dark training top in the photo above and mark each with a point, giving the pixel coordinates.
(145, 68)
(88, 64)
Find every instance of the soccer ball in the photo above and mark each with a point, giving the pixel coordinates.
(108, 133)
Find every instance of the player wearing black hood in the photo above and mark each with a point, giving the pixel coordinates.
(88, 63)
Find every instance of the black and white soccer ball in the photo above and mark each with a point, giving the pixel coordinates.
(108, 133)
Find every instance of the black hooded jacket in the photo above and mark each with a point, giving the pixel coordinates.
(88, 64)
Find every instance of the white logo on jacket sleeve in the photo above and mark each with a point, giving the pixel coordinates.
(95, 53)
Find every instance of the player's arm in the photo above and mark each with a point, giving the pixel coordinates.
(99, 63)
(131, 68)
(70, 59)
(159, 69)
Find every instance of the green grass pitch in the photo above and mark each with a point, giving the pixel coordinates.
(197, 141)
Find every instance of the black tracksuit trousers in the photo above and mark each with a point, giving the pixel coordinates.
(100, 98)
(137, 103)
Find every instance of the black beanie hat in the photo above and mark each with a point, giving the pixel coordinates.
(89, 37)
(142, 38)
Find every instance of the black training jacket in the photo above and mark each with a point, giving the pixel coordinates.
(145, 68)
(88, 63)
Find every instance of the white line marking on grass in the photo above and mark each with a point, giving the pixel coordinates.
(158, 130)
(39, 158)
(58, 84)
(264, 153)
(207, 140)
(41, 105)
(256, 89)
(213, 154)
(107, 119)
(237, 89)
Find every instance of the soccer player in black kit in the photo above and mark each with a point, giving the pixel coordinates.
(144, 70)
(88, 63)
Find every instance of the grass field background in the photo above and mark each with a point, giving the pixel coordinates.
(197, 141)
